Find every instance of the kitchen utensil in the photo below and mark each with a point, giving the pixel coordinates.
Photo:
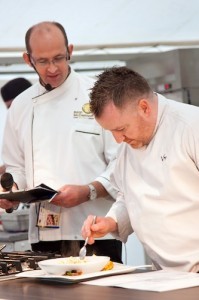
(82, 252)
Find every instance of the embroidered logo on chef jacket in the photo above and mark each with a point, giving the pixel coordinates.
(86, 108)
(163, 157)
(85, 113)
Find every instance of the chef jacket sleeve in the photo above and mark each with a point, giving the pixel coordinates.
(110, 154)
(119, 213)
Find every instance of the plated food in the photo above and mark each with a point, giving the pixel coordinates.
(73, 265)
(108, 266)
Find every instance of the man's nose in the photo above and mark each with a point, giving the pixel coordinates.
(119, 137)
(52, 66)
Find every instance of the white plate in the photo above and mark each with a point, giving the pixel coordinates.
(117, 269)
(59, 266)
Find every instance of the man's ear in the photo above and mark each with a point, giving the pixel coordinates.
(70, 51)
(26, 58)
(144, 107)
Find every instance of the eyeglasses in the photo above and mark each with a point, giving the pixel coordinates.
(44, 63)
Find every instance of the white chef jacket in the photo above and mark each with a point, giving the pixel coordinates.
(50, 139)
(159, 189)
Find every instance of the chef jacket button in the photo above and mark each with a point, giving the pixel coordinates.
(34, 101)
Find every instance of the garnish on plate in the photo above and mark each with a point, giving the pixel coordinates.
(73, 273)
(108, 266)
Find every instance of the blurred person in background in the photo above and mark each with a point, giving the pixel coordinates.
(51, 137)
(157, 169)
(9, 91)
(13, 88)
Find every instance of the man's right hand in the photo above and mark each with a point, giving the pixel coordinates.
(102, 226)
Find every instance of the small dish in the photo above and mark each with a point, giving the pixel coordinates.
(60, 266)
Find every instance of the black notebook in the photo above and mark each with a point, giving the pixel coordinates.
(37, 194)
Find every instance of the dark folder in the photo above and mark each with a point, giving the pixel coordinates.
(37, 194)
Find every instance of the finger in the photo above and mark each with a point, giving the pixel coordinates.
(5, 204)
(91, 240)
(86, 228)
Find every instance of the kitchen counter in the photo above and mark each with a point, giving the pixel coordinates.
(31, 289)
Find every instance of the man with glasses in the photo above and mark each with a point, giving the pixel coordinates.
(51, 137)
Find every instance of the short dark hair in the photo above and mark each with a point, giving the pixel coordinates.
(29, 31)
(14, 87)
(118, 85)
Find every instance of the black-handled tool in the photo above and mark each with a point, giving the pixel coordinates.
(7, 182)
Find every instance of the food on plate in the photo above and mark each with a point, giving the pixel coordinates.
(72, 260)
(73, 273)
(108, 266)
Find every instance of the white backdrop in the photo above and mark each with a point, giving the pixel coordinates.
(104, 23)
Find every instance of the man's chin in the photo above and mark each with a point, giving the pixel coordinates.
(136, 145)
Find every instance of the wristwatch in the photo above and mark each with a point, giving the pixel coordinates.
(93, 193)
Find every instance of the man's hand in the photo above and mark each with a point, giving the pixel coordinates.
(102, 226)
(6, 204)
(71, 195)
